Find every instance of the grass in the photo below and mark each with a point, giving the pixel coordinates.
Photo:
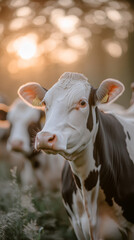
(28, 214)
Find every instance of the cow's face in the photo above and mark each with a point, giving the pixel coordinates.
(22, 118)
(67, 110)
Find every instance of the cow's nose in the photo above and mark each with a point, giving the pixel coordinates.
(45, 140)
(17, 145)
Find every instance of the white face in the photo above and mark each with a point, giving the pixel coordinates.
(67, 111)
(20, 117)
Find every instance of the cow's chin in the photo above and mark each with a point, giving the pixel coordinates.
(69, 154)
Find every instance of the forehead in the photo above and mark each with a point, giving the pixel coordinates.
(22, 112)
(71, 87)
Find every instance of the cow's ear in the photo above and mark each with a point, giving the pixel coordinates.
(109, 90)
(32, 94)
(3, 111)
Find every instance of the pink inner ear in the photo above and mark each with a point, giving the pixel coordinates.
(32, 93)
(112, 89)
(28, 94)
(114, 92)
(109, 90)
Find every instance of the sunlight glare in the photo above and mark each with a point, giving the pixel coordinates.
(25, 47)
(68, 24)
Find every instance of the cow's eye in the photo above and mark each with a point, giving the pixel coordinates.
(83, 103)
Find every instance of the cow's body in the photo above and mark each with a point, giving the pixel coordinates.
(37, 169)
(99, 148)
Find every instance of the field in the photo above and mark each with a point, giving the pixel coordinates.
(27, 214)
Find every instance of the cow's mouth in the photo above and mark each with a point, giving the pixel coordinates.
(24, 152)
(50, 151)
(68, 155)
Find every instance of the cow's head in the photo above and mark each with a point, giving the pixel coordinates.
(68, 106)
(23, 121)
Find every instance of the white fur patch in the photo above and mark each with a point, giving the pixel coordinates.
(67, 79)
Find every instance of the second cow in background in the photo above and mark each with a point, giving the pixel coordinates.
(37, 169)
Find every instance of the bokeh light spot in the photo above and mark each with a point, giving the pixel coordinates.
(17, 23)
(113, 48)
(23, 12)
(77, 41)
(39, 20)
(67, 24)
(18, 3)
(65, 3)
(114, 15)
(26, 48)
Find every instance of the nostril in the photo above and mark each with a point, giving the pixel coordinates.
(45, 140)
(52, 138)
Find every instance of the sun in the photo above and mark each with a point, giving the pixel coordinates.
(26, 47)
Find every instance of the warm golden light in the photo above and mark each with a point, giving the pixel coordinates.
(114, 15)
(114, 49)
(77, 41)
(18, 23)
(65, 56)
(18, 3)
(23, 12)
(67, 24)
(25, 47)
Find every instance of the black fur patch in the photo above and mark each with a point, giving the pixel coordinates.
(91, 103)
(68, 185)
(91, 180)
(128, 136)
(117, 169)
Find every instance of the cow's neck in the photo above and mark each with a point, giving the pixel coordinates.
(84, 161)
(86, 175)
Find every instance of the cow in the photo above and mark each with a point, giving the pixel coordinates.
(37, 168)
(98, 179)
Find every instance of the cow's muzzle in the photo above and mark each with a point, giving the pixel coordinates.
(16, 145)
(45, 141)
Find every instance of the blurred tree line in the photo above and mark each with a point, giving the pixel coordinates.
(92, 37)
